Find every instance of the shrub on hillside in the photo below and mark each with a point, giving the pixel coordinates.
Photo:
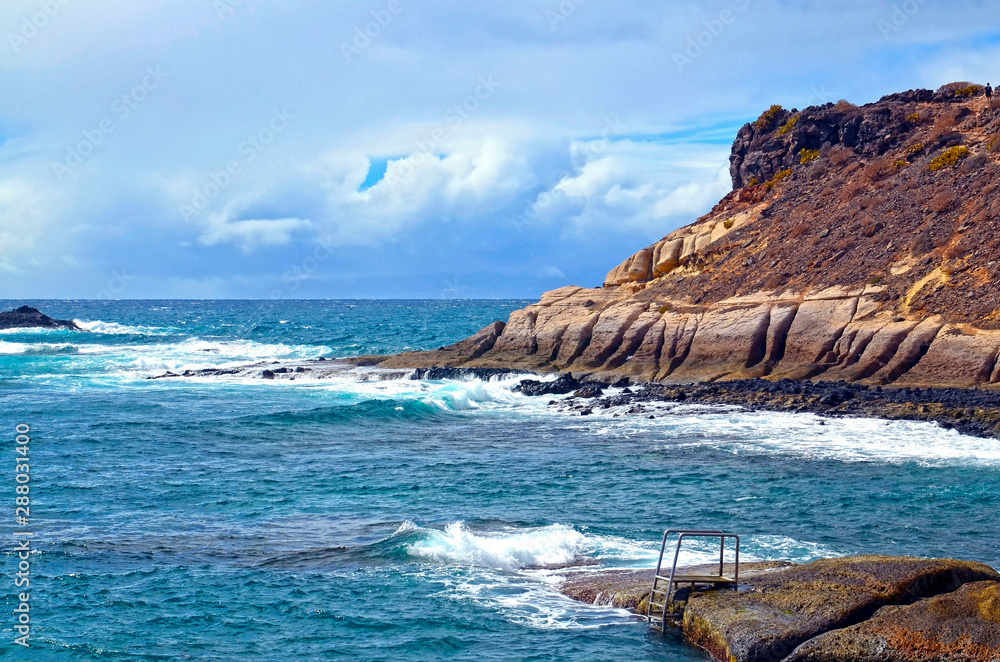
(942, 202)
(955, 87)
(840, 155)
(807, 155)
(766, 118)
(788, 126)
(878, 170)
(949, 157)
(778, 177)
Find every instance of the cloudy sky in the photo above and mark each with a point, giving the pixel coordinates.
(395, 148)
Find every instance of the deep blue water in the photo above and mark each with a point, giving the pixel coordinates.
(237, 518)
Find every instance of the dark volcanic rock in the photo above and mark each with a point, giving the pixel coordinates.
(441, 372)
(566, 383)
(963, 626)
(589, 391)
(27, 317)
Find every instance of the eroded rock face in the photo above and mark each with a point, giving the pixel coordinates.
(792, 606)
(27, 317)
(963, 626)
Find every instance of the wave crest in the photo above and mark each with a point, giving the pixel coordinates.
(551, 545)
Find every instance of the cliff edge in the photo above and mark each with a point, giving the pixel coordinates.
(858, 244)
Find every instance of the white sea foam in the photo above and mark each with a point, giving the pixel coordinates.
(530, 599)
(114, 328)
(499, 570)
(508, 550)
(19, 348)
(810, 436)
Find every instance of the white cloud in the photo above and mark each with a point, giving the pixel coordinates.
(252, 233)
(639, 185)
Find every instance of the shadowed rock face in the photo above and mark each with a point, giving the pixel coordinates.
(844, 253)
(963, 626)
(26, 317)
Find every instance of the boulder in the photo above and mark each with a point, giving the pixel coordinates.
(564, 384)
(788, 607)
(963, 626)
(27, 317)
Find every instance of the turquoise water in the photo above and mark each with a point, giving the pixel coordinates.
(236, 518)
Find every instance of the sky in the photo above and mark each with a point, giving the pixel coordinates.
(403, 149)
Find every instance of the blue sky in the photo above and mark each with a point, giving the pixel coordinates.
(256, 148)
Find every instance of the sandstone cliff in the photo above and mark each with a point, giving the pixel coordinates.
(858, 244)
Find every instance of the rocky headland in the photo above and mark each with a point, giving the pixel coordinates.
(858, 245)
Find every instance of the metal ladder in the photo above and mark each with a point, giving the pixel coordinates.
(659, 619)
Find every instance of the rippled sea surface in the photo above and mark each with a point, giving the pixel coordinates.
(238, 518)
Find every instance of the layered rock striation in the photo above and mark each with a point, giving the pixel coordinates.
(859, 244)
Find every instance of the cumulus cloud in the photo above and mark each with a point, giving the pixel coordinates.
(251, 233)
(585, 141)
(629, 184)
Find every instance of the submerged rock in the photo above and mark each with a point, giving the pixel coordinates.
(27, 317)
(963, 626)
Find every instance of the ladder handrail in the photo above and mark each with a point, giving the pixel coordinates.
(681, 534)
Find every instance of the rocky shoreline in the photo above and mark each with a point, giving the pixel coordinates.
(849, 609)
(975, 412)
(972, 412)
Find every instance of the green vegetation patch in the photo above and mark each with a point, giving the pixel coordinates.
(788, 126)
(949, 157)
(807, 155)
(778, 177)
(766, 118)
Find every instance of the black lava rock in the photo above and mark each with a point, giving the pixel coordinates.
(27, 317)
(565, 384)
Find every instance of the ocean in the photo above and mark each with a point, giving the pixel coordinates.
(240, 518)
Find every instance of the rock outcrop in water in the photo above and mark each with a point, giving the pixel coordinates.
(27, 317)
(862, 608)
(858, 244)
